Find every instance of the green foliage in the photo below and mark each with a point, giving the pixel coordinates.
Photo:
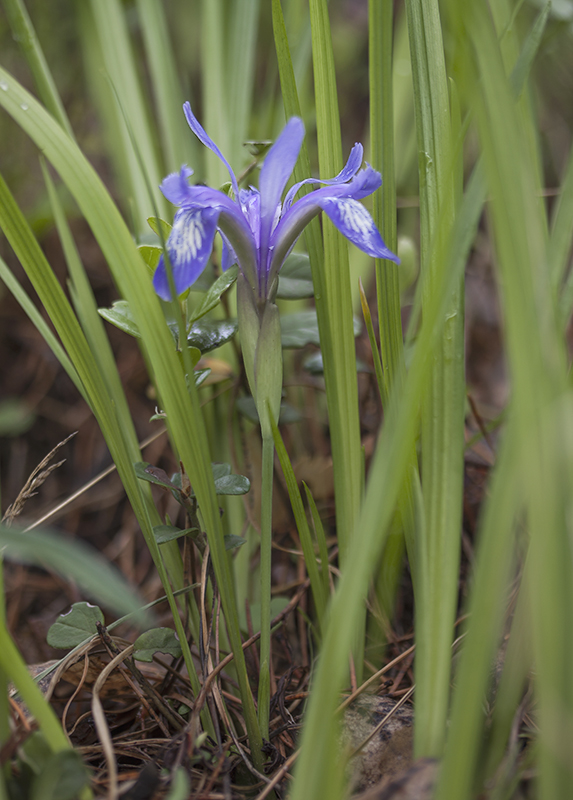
(75, 626)
(156, 640)
(74, 560)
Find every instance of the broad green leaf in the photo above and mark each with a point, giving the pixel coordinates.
(208, 334)
(298, 330)
(167, 533)
(159, 227)
(228, 484)
(147, 472)
(232, 485)
(157, 640)
(232, 542)
(214, 293)
(150, 255)
(220, 470)
(62, 778)
(120, 316)
(295, 279)
(75, 626)
(76, 561)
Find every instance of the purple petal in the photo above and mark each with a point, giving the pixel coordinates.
(354, 222)
(189, 246)
(277, 169)
(200, 133)
(250, 200)
(346, 174)
(175, 187)
(228, 255)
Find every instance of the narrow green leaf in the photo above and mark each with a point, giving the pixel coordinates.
(317, 586)
(179, 399)
(321, 539)
(24, 33)
(75, 561)
(178, 142)
(132, 118)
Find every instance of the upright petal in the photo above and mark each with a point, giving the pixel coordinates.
(201, 134)
(346, 174)
(189, 246)
(175, 187)
(277, 169)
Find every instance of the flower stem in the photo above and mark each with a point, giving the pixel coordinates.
(266, 550)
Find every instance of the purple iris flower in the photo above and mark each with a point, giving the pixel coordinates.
(259, 230)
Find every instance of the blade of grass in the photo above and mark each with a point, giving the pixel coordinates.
(320, 744)
(444, 406)
(178, 142)
(178, 397)
(317, 586)
(24, 33)
(215, 99)
(337, 336)
(321, 539)
(241, 70)
(95, 390)
(120, 67)
(536, 356)
(94, 330)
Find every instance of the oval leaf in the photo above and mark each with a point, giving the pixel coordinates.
(232, 485)
(295, 279)
(157, 640)
(298, 330)
(75, 626)
(160, 227)
(232, 541)
(208, 334)
(214, 293)
(150, 255)
(120, 315)
(167, 533)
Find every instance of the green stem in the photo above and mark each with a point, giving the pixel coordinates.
(266, 553)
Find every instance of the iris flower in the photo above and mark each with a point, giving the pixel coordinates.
(258, 230)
